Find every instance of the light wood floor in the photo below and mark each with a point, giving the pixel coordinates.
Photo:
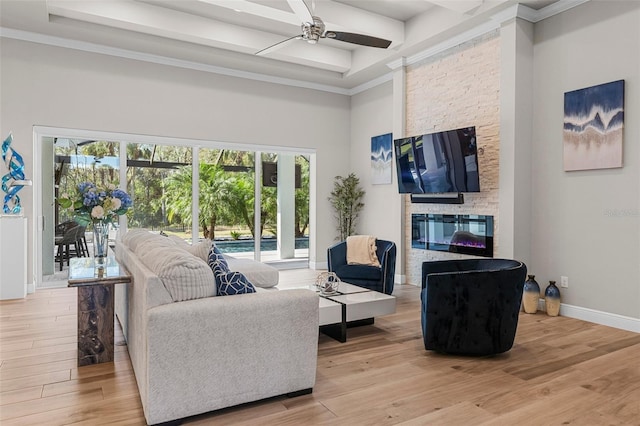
(561, 371)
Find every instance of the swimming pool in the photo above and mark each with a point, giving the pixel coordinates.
(266, 244)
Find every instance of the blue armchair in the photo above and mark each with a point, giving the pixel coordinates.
(471, 307)
(375, 278)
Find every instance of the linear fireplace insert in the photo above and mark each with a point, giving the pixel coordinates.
(466, 234)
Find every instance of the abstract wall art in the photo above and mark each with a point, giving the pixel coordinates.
(381, 159)
(593, 127)
(13, 181)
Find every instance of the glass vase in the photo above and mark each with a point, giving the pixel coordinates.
(100, 241)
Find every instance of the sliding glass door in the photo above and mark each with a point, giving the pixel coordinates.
(75, 160)
(159, 180)
(253, 204)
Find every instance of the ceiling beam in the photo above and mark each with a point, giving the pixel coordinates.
(163, 22)
(316, 55)
(336, 16)
(341, 17)
(460, 6)
(257, 10)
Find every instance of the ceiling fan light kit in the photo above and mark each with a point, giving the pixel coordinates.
(313, 29)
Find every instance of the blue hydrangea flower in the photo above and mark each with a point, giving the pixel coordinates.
(94, 204)
(85, 186)
(90, 199)
(124, 198)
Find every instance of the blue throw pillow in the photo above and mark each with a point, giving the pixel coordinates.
(217, 262)
(231, 283)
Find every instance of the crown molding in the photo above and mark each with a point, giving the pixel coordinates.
(162, 60)
(371, 84)
(526, 13)
(556, 8)
(494, 23)
(400, 62)
(457, 40)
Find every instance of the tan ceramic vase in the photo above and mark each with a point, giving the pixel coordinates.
(552, 299)
(530, 295)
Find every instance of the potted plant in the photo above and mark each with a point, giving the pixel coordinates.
(346, 199)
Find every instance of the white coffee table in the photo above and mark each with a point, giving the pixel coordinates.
(352, 306)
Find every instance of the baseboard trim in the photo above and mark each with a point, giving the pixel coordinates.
(319, 265)
(289, 264)
(598, 317)
(400, 279)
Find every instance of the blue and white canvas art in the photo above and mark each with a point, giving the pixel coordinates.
(593, 127)
(381, 157)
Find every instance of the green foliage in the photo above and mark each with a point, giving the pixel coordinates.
(213, 184)
(346, 199)
(235, 235)
(85, 163)
(163, 196)
(302, 198)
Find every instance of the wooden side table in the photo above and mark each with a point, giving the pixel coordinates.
(95, 306)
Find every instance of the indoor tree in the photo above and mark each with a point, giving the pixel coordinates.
(346, 199)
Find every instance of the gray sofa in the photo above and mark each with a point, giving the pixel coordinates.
(209, 352)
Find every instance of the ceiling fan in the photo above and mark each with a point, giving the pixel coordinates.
(313, 29)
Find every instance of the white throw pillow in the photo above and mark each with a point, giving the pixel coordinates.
(135, 237)
(151, 243)
(179, 241)
(200, 250)
(184, 276)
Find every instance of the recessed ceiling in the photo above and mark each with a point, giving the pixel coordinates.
(228, 33)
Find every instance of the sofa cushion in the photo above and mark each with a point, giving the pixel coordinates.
(260, 274)
(184, 276)
(231, 283)
(358, 272)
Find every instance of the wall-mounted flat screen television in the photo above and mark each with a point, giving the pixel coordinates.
(441, 162)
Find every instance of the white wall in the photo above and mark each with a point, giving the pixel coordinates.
(371, 115)
(586, 224)
(50, 86)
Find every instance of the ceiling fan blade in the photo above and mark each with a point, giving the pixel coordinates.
(301, 10)
(361, 39)
(276, 46)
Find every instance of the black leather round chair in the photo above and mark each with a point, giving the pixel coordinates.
(471, 307)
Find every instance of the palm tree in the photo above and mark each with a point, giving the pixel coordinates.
(213, 186)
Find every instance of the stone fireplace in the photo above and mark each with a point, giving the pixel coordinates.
(443, 92)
